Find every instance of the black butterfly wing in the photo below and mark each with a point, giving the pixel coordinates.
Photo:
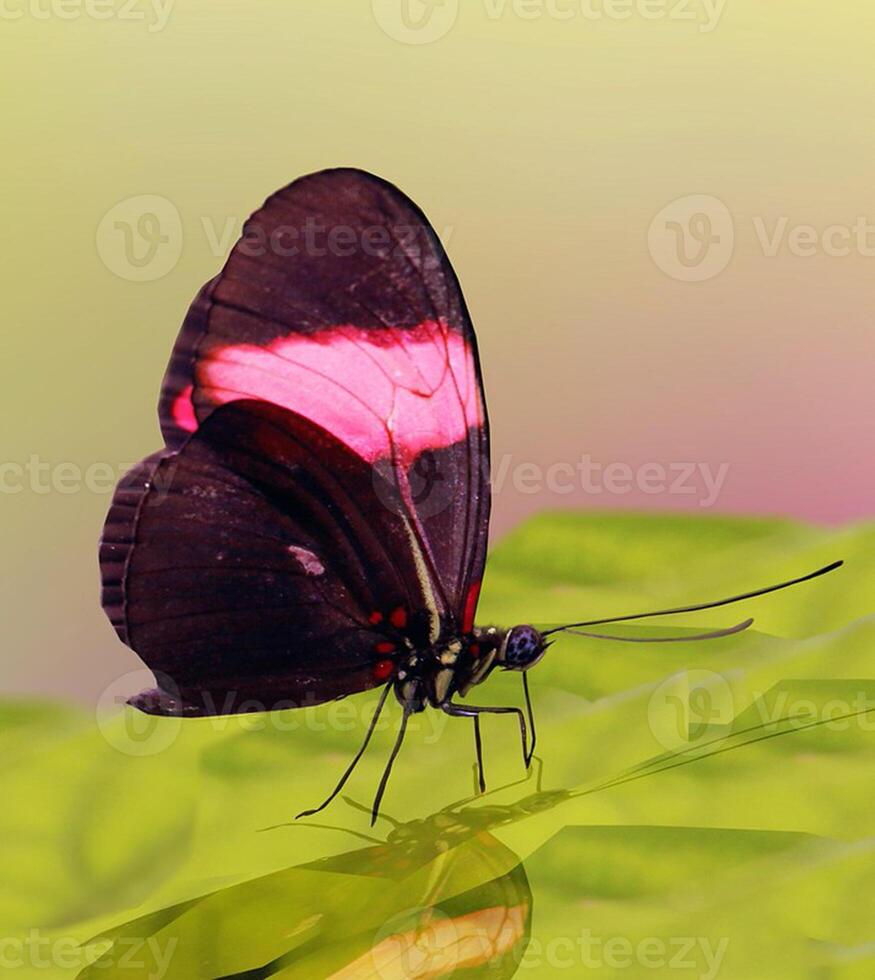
(339, 303)
(338, 311)
(246, 569)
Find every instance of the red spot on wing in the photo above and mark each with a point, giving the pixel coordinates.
(470, 607)
(375, 618)
(375, 390)
(385, 647)
(383, 669)
(398, 618)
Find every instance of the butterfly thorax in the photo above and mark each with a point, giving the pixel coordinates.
(459, 662)
(451, 666)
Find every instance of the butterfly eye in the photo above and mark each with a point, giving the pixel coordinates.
(523, 647)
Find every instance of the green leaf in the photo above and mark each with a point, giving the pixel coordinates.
(719, 791)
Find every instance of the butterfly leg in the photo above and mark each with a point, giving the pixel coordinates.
(474, 711)
(355, 761)
(478, 748)
(531, 719)
(385, 777)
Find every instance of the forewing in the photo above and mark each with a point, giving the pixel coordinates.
(339, 303)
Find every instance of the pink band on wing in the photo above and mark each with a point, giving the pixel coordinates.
(182, 410)
(414, 387)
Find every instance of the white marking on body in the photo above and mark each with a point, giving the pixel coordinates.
(442, 682)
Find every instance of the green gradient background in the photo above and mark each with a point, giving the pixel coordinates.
(546, 147)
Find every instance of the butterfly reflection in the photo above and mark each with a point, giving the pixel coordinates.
(437, 896)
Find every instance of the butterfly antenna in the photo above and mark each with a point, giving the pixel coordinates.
(324, 826)
(366, 809)
(381, 789)
(342, 781)
(704, 605)
(713, 635)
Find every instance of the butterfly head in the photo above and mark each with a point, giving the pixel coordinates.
(521, 648)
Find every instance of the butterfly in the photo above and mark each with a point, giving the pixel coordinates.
(316, 523)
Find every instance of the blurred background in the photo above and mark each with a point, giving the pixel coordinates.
(662, 215)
